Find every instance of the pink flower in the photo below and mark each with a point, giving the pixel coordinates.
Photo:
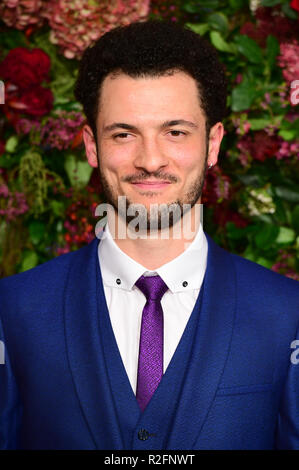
(284, 265)
(75, 24)
(4, 192)
(216, 186)
(239, 78)
(258, 146)
(288, 61)
(12, 204)
(288, 150)
(25, 125)
(60, 130)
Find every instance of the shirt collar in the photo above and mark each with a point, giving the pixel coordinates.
(185, 272)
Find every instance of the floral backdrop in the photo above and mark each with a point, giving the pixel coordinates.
(48, 192)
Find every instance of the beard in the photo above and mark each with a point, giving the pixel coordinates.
(160, 216)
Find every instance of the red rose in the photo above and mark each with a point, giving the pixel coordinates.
(295, 4)
(35, 101)
(25, 67)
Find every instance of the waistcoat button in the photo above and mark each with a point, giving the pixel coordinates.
(143, 434)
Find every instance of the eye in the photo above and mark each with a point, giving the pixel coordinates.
(123, 135)
(176, 133)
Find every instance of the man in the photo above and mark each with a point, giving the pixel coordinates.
(151, 336)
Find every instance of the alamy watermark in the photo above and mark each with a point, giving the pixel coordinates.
(295, 354)
(2, 353)
(164, 221)
(2, 92)
(295, 94)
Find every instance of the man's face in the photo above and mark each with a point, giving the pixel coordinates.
(152, 140)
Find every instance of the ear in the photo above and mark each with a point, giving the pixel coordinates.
(215, 138)
(90, 146)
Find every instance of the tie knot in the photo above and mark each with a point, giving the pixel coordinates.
(153, 287)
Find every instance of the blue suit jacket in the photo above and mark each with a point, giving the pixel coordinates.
(231, 383)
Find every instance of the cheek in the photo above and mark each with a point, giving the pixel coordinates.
(187, 159)
(113, 161)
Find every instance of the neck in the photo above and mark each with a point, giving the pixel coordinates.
(153, 249)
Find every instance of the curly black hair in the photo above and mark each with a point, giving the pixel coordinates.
(153, 48)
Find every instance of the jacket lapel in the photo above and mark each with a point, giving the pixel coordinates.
(84, 349)
(210, 349)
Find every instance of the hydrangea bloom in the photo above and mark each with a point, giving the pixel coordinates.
(75, 24)
(21, 13)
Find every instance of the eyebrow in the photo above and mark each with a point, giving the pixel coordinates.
(165, 124)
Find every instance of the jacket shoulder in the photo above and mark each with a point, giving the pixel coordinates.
(263, 290)
(42, 279)
(261, 276)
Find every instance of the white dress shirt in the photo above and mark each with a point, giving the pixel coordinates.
(125, 301)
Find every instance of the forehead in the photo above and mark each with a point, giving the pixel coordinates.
(148, 97)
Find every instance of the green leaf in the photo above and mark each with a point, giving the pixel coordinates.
(295, 218)
(219, 22)
(289, 130)
(37, 231)
(220, 44)
(190, 8)
(272, 49)
(290, 125)
(287, 134)
(289, 11)
(270, 3)
(286, 235)
(11, 144)
(249, 48)
(30, 260)
(238, 4)
(249, 253)
(8, 160)
(258, 124)
(57, 208)
(13, 38)
(266, 236)
(289, 194)
(251, 179)
(79, 172)
(199, 28)
(195, 6)
(243, 95)
(234, 232)
(264, 262)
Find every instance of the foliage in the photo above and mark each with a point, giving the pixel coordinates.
(48, 192)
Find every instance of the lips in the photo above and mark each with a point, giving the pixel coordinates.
(151, 184)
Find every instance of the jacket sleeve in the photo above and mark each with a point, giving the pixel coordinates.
(288, 421)
(10, 408)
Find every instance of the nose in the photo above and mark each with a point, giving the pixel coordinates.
(150, 156)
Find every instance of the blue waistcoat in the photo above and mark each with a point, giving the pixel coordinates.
(232, 383)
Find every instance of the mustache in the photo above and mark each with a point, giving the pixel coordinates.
(150, 176)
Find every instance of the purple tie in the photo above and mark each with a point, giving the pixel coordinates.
(150, 363)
